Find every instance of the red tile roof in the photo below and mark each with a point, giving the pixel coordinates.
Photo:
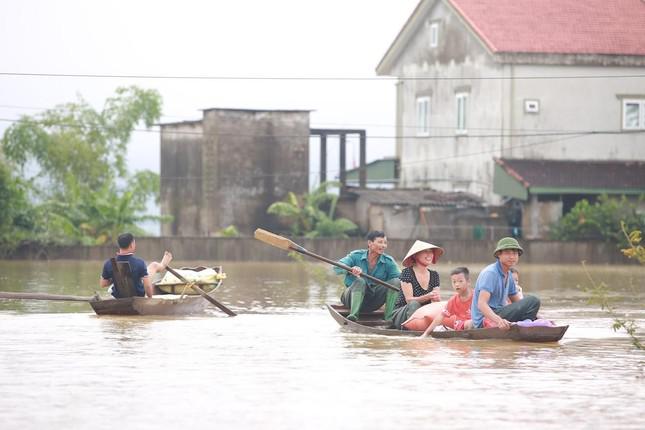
(614, 27)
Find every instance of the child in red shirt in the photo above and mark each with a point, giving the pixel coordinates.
(456, 314)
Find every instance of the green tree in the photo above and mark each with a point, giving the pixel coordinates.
(73, 157)
(634, 248)
(600, 220)
(75, 143)
(94, 218)
(15, 210)
(312, 214)
(599, 291)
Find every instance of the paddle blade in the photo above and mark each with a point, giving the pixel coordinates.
(274, 240)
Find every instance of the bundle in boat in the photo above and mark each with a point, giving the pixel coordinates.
(207, 278)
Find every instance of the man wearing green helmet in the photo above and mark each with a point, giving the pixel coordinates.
(495, 284)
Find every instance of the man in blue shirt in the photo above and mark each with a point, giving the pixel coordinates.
(495, 284)
(127, 247)
(361, 295)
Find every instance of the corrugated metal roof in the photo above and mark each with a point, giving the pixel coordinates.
(416, 197)
(616, 174)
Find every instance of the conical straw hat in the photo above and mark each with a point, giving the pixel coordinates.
(419, 246)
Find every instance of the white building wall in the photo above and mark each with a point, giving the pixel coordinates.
(445, 160)
(576, 104)
(497, 125)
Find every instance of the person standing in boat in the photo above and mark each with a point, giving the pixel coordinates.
(360, 295)
(140, 272)
(495, 285)
(419, 284)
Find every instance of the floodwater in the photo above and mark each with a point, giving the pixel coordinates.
(284, 363)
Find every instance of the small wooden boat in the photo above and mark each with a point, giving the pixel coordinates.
(165, 304)
(373, 323)
(130, 304)
(160, 304)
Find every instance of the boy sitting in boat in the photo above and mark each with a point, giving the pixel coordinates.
(456, 313)
(516, 278)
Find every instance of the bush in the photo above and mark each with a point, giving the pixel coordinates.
(600, 220)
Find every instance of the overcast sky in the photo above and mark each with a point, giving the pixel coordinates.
(242, 38)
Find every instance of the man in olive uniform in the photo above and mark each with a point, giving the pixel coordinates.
(495, 285)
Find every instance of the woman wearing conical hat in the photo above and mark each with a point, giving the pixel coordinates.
(419, 284)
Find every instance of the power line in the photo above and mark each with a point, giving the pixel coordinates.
(424, 161)
(342, 125)
(379, 137)
(309, 78)
(484, 152)
(196, 178)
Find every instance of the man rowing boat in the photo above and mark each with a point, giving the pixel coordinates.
(361, 295)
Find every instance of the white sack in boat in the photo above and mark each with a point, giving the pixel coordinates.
(205, 276)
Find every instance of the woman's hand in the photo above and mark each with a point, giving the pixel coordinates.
(435, 295)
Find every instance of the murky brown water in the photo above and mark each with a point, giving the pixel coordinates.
(283, 363)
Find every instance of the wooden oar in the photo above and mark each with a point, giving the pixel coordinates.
(45, 296)
(284, 243)
(201, 292)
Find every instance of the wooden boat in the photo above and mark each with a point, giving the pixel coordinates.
(373, 323)
(178, 287)
(130, 304)
(164, 304)
(160, 304)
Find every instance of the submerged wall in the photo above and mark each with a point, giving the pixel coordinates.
(215, 250)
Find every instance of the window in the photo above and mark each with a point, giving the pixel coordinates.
(423, 116)
(434, 34)
(462, 111)
(634, 114)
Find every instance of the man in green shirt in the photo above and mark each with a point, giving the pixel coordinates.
(362, 295)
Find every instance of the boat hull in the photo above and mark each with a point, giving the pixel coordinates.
(168, 305)
(373, 323)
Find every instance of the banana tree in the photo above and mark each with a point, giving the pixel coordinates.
(312, 214)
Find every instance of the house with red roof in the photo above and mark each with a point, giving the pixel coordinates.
(533, 104)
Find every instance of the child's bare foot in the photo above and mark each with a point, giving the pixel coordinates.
(167, 258)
